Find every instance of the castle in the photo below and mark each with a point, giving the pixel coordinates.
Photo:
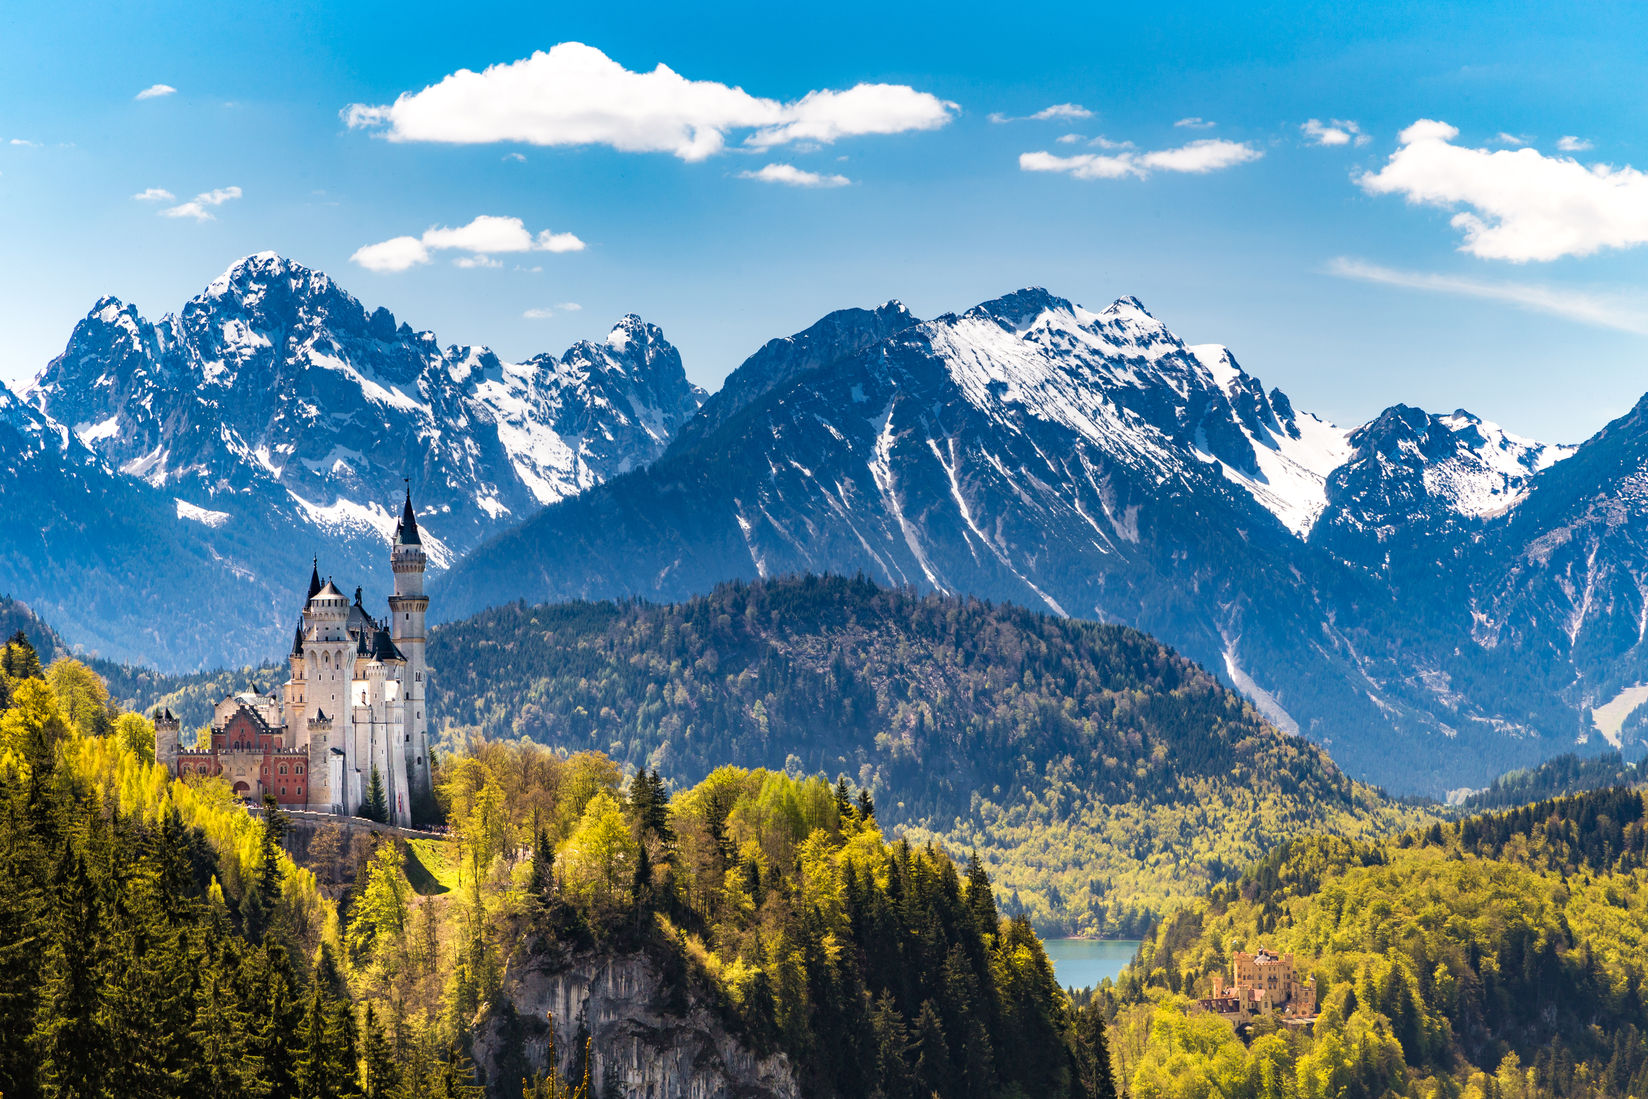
(354, 705)
(1263, 983)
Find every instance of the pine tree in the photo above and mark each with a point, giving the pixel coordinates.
(542, 877)
(19, 660)
(381, 1074)
(375, 806)
(866, 805)
(69, 1046)
(1094, 1071)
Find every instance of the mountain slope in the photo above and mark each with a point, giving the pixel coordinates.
(276, 389)
(1100, 776)
(1500, 955)
(274, 418)
(105, 558)
(1029, 450)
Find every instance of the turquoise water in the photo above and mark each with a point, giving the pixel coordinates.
(1083, 963)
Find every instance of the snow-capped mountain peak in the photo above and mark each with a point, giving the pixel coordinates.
(275, 384)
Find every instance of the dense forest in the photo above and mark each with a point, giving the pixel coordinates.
(159, 940)
(1101, 777)
(1566, 774)
(1498, 957)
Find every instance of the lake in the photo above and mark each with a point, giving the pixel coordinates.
(1083, 963)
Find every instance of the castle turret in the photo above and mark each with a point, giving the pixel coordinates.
(168, 733)
(325, 765)
(407, 609)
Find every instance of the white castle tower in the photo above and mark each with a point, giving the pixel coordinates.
(407, 608)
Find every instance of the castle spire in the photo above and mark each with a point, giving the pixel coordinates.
(314, 578)
(406, 531)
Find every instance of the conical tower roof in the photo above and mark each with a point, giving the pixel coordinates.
(406, 531)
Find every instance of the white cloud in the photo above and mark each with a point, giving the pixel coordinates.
(514, 158)
(1068, 112)
(1512, 140)
(795, 177)
(1062, 110)
(1102, 142)
(1338, 131)
(395, 254)
(863, 109)
(1520, 204)
(1602, 310)
(25, 143)
(1194, 123)
(1069, 139)
(154, 194)
(199, 206)
(574, 94)
(1572, 144)
(155, 91)
(544, 312)
(1198, 157)
(481, 239)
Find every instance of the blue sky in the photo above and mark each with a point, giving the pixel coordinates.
(1401, 263)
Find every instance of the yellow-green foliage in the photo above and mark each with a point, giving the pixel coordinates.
(1087, 866)
(1462, 957)
(145, 790)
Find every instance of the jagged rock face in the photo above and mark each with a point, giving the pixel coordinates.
(275, 389)
(1419, 488)
(274, 418)
(1564, 585)
(1027, 450)
(836, 336)
(648, 1038)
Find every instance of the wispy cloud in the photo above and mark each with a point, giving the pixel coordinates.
(1196, 158)
(1338, 131)
(24, 142)
(1068, 112)
(1519, 204)
(1194, 122)
(200, 207)
(1572, 144)
(544, 312)
(155, 91)
(481, 240)
(1623, 312)
(795, 177)
(154, 194)
(574, 94)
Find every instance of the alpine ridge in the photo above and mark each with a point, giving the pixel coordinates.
(275, 417)
(1095, 465)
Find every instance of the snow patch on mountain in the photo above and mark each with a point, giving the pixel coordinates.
(1291, 481)
(1491, 474)
(197, 514)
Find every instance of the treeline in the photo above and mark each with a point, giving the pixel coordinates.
(1498, 957)
(1566, 774)
(154, 939)
(1101, 777)
(878, 969)
(158, 940)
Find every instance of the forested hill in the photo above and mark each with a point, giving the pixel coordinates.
(1502, 955)
(1100, 776)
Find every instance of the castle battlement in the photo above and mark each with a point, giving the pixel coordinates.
(353, 705)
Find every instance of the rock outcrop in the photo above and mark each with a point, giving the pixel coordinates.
(652, 1038)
